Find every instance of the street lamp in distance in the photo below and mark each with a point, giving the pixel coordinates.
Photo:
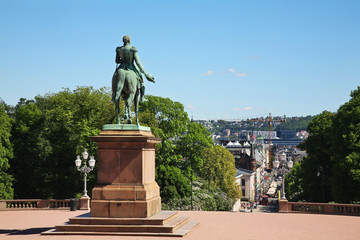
(84, 201)
(283, 167)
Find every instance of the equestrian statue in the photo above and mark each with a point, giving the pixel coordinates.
(127, 81)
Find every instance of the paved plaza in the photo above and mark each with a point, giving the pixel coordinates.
(213, 226)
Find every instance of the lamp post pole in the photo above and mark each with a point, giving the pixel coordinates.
(85, 169)
(283, 167)
(323, 182)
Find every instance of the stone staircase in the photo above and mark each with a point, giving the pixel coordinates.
(165, 223)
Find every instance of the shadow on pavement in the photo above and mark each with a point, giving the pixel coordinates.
(29, 231)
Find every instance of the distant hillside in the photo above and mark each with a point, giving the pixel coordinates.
(296, 123)
(257, 124)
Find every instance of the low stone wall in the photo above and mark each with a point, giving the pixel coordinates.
(33, 204)
(322, 208)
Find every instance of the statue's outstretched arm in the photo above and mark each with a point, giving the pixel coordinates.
(149, 77)
(138, 63)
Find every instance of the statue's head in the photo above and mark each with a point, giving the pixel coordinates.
(126, 39)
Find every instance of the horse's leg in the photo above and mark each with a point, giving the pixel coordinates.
(117, 109)
(127, 110)
(117, 86)
(136, 102)
(128, 102)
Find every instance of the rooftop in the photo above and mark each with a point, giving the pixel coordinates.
(213, 226)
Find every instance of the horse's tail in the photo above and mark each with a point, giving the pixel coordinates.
(114, 86)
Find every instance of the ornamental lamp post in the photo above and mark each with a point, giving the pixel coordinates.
(85, 169)
(283, 167)
(323, 181)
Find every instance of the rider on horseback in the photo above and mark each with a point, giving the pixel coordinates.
(125, 56)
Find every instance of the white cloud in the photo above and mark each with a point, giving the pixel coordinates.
(208, 73)
(231, 70)
(236, 73)
(248, 108)
(190, 107)
(242, 74)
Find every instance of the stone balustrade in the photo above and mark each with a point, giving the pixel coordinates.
(33, 204)
(322, 208)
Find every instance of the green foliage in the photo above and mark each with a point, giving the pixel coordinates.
(179, 157)
(167, 120)
(192, 144)
(171, 119)
(333, 152)
(205, 197)
(294, 184)
(297, 124)
(319, 149)
(49, 133)
(172, 182)
(219, 170)
(262, 124)
(346, 148)
(6, 152)
(31, 150)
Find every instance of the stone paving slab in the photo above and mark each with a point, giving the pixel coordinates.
(21, 225)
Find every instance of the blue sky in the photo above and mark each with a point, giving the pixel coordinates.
(220, 59)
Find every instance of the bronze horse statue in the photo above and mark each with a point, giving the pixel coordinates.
(127, 81)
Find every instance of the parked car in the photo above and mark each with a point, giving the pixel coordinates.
(264, 200)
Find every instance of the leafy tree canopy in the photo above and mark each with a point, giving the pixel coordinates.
(331, 171)
(6, 152)
(57, 127)
(219, 170)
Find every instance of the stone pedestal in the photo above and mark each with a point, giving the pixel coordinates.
(126, 186)
(283, 206)
(126, 199)
(84, 203)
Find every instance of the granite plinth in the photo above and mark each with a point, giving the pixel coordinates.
(126, 184)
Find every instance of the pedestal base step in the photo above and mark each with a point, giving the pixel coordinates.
(164, 223)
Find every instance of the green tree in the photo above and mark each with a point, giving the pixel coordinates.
(57, 127)
(167, 120)
(6, 152)
(294, 184)
(346, 148)
(31, 151)
(191, 145)
(333, 152)
(171, 119)
(319, 151)
(171, 179)
(173, 183)
(219, 170)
